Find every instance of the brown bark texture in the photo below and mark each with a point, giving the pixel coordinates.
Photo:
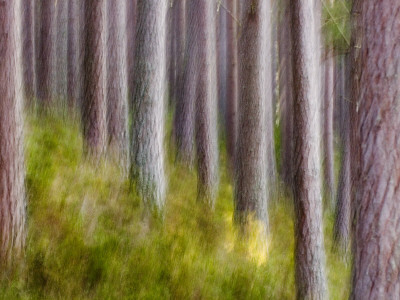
(309, 243)
(251, 192)
(148, 157)
(377, 207)
(94, 105)
(12, 171)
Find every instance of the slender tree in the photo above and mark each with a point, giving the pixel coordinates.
(94, 102)
(28, 46)
(309, 246)
(377, 226)
(72, 53)
(12, 187)
(117, 97)
(131, 15)
(45, 53)
(251, 157)
(206, 106)
(149, 104)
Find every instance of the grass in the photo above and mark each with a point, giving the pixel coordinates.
(87, 238)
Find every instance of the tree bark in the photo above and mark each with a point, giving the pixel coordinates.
(117, 97)
(28, 50)
(206, 107)
(61, 51)
(309, 243)
(251, 157)
(131, 16)
(376, 266)
(94, 105)
(72, 53)
(149, 104)
(12, 171)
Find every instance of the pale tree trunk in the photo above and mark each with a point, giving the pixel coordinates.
(28, 50)
(45, 54)
(94, 99)
(184, 109)
(286, 93)
(206, 107)
(251, 194)
(376, 266)
(309, 243)
(131, 7)
(342, 217)
(232, 90)
(148, 157)
(12, 171)
(117, 97)
(73, 53)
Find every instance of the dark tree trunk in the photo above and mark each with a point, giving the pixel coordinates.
(72, 53)
(232, 80)
(376, 266)
(45, 54)
(251, 157)
(117, 97)
(94, 102)
(309, 243)
(184, 110)
(131, 8)
(28, 50)
(61, 50)
(12, 172)
(149, 103)
(206, 102)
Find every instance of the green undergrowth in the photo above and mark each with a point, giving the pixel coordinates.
(88, 237)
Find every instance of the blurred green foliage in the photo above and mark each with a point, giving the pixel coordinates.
(88, 239)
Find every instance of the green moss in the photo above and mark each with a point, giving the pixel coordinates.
(88, 237)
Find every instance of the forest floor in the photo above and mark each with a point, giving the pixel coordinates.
(87, 238)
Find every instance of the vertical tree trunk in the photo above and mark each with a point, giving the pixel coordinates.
(251, 156)
(149, 103)
(28, 53)
(60, 53)
(232, 80)
(45, 54)
(221, 57)
(117, 98)
(309, 244)
(184, 110)
(172, 54)
(12, 173)
(377, 228)
(286, 93)
(342, 218)
(206, 102)
(94, 103)
(131, 7)
(72, 53)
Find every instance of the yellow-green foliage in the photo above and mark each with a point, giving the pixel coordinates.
(88, 237)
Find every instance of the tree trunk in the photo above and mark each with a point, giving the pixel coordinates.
(377, 228)
(172, 54)
(251, 157)
(12, 172)
(60, 53)
(221, 57)
(72, 53)
(29, 52)
(206, 106)
(184, 110)
(309, 243)
(94, 103)
(117, 97)
(131, 15)
(45, 54)
(149, 103)
(232, 80)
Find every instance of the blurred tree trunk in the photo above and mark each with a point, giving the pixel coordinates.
(45, 54)
(206, 106)
(232, 80)
(172, 52)
(131, 15)
(377, 225)
(149, 104)
(251, 157)
(29, 51)
(221, 57)
(12, 172)
(117, 97)
(61, 49)
(184, 109)
(72, 53)
(309, 243)
(94, 102)
(342, 217)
